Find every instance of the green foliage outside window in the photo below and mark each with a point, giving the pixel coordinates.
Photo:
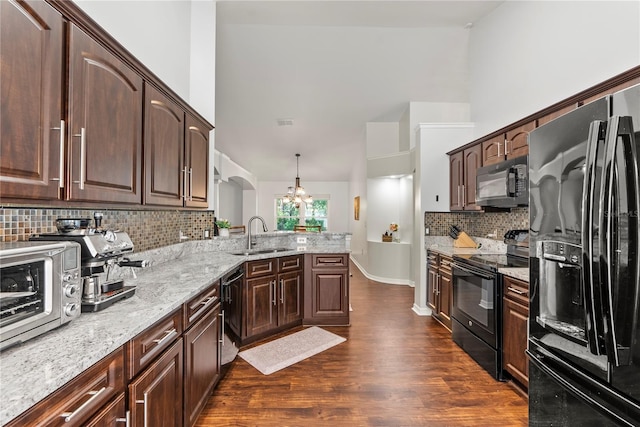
(288, 216)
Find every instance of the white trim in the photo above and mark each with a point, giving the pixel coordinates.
(421, 311)
(385, 280)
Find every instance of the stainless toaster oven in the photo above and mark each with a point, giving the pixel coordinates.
(40, 288)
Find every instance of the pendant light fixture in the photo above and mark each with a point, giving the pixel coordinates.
(297, 194)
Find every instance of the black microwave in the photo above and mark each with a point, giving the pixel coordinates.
(503, 185)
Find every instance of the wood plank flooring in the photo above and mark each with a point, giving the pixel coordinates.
(395, 369)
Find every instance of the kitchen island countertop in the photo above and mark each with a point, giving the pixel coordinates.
(31, 371)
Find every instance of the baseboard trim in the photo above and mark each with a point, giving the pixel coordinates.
(387, 280)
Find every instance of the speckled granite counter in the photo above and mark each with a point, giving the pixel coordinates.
(33, 370)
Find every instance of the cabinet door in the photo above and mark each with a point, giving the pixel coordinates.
(456, 178)
(111, 415)
(105, 124)
(432, 289)
(472, 162)
(330, 293)
(31, 138)
(517, 140)
(197, 162)
(514, 330)
(290, 297)
(202, 364)
(262, 314)
(445, 300)
(493, 151)
(155, 396)
(163, 149)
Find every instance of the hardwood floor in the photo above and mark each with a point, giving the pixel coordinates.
(395, 369)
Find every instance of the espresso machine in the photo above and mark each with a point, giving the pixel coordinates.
(101, 250)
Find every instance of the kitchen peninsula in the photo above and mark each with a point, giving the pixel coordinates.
(178, 273)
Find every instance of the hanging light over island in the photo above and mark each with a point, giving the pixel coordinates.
(297, 194)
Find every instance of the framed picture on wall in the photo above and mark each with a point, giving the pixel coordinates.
(356, 208)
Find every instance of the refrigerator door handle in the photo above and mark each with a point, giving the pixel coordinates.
(621, 320)
(593, 314)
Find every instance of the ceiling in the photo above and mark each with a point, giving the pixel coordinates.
(326, 68)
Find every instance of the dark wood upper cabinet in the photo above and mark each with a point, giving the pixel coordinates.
(32, 131)
(163, 149)
(472, 161)
(456, 175)
(105, 124)
(517, 140)
(197, 162)
(493, 150)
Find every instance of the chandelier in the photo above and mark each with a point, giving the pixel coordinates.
(297, 194)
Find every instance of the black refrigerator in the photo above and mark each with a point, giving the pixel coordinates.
(584, 322)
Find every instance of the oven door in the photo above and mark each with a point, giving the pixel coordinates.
(476, 301)
(26, 297)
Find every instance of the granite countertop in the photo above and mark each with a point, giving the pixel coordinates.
(31, 371)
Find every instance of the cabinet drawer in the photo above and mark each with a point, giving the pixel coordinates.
(516, 290)
(289, 263)
(260, 267)
(445, 265)
(145, 347)
(200, 304)
(432, 259)
(81, 398)
(330, 260)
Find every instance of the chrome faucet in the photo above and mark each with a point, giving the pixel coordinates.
(264, 228)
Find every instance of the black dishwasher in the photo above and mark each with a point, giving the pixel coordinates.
(232, 301)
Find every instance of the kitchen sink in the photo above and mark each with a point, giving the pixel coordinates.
(248, 252)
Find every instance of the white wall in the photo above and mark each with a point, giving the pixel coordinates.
(389, 200)
(230, 199)
(527, 55)
(340, 206)
(382, 138)
(158, 33)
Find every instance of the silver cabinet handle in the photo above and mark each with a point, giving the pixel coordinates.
(60, 178)
(506, 147)
(221, 340)
(83, 161)
(184, 183)
(499, 148)
(95, 395)
(464, 196)
(190, 184)
(516, 291)
(274, 292)
(167, 335)
(282, 291)
(144, 409)
(126, 420)
(207, 301)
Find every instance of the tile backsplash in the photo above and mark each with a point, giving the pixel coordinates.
(147, 229)
(479, 224)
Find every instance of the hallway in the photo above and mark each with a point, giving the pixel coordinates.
(395, 369)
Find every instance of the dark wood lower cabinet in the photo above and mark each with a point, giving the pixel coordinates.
(514, 330)
(155, 396)
(262, 314)
(439, 287)
(113, 414)
(202, 355)
(326, 289)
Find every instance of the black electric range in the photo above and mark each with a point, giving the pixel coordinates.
(492, 262)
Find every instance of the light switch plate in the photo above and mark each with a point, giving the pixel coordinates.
(302, 240)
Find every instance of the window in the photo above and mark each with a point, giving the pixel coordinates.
(315, 213)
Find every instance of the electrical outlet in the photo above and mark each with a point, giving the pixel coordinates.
(302, 240)
(301, 248)
(426, 231)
